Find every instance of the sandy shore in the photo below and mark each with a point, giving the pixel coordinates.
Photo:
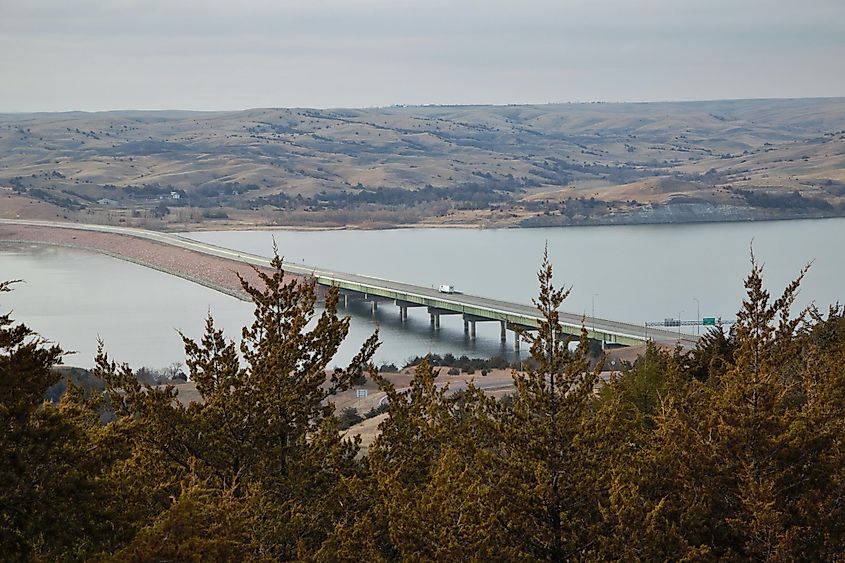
(216, 273)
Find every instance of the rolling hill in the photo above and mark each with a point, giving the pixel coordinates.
(525, 165)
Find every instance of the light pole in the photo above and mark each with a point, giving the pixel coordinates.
(697, 315)
(594, 313)
(679, 322)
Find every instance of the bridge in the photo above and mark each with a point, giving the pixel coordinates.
(473, 309)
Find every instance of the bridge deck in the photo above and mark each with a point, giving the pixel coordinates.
(518, 315)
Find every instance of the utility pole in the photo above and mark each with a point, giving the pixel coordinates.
(697, 314)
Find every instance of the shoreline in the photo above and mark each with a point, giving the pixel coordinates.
(216, 273)
(203, 227)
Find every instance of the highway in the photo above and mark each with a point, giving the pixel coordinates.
(473, 307)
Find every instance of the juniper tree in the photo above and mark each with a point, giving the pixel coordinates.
(263, 434)
(548, 479)
(52, 456)
(745, 459)
(465, 477)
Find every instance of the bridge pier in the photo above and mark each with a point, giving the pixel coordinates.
(435, 320)
(517, 337)
(403, 308)
(346, 297)
(374, 301)
(355, 286)
(522, 320)
(470, 321)
(436, 312)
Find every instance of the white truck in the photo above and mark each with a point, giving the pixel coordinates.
(447, 288)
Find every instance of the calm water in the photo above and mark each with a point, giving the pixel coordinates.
(74, 298)
(635, 273)
(632, 273)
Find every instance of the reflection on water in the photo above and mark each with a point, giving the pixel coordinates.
(631, 273)
(73, 298)
(416, 337)
(635, 274)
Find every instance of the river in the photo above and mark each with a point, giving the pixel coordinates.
(631, 273)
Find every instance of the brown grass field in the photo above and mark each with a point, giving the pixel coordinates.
(434, 165)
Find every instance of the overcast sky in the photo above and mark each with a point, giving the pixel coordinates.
(58, 55)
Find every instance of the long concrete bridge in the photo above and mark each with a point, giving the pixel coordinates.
(472, 308)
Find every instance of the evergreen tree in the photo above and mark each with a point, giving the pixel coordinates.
(731, 451)
(430, 504)
(52, 457)
(548, 480)
(464, 477)
(743, 462)
(263, 436)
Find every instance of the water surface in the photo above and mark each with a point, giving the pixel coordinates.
(635, 274)
(74, 298)
(632, 273)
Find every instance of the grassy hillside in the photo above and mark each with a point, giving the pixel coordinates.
(489, 165)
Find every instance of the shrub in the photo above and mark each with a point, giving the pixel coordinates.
(349, 417)
(377, 410)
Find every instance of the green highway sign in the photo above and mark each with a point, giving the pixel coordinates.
(708, 321)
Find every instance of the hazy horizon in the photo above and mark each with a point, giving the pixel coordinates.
(423, 105)
(102, 55)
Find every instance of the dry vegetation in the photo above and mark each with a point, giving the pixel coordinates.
(479, 165)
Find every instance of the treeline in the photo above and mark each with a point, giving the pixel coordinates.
(468, 195)
(732, 451)
(464, 363)
(782, 200)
